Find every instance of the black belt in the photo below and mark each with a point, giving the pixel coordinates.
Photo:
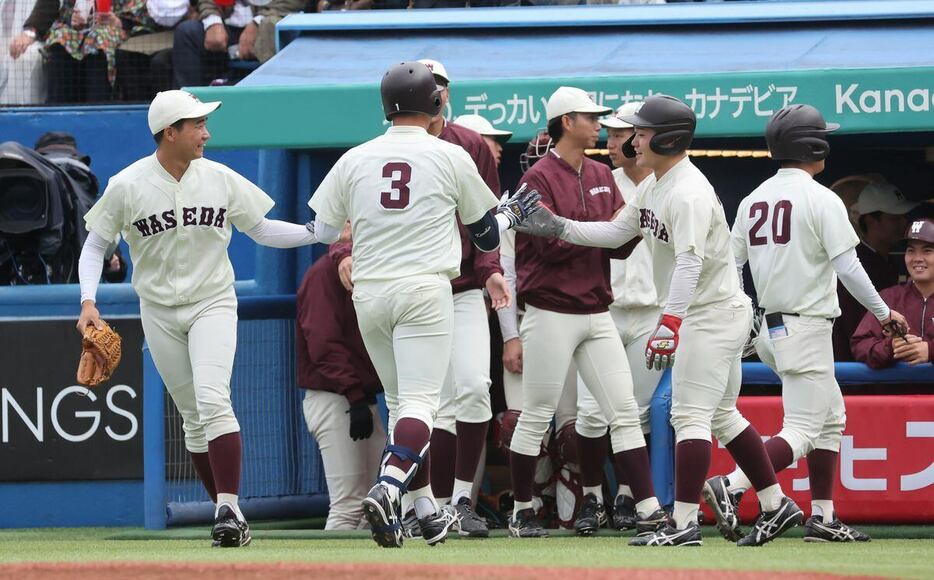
(776, 318)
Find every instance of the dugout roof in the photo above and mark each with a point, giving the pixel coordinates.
(866, 64)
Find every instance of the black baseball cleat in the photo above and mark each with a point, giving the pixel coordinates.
(652, 522)
(468, 522)
(624, 513)
(770, 525)
(383, 516)
(668, 535)
(815, 530)
(592, 516)
(229, 531)
(435, 527)
(525, 525)
(724, 506)
(410, 527)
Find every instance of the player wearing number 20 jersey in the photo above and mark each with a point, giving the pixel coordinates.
(797, 238)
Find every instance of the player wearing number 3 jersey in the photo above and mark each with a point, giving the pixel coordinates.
(797, 238)
(400, 192)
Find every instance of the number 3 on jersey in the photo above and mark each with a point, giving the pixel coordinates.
(400, 174)
(781, 222)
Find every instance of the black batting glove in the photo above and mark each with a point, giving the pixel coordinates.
(361, 421)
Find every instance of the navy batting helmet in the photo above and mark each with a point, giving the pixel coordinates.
(798, 133)
(410, 87)
(673, 121)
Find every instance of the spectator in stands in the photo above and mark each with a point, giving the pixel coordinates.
(80, 45)
(22, 74)
(340, 404)
(878, 351)
(881, 223)
(326, 5)
(226, 29)
(144, 62)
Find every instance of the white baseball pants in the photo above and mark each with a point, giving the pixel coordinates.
(350, 467)
(550, 341)
(635, 326)
(815, 415)
(708, 374)
(406, 328)
(193, 347)
(465, 395)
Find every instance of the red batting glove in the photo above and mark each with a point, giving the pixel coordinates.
(660, 351)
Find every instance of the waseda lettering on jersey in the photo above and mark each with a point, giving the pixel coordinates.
(648, 221)
(599, 189)
(191, 216)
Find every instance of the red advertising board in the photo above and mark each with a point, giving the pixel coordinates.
(886, 470)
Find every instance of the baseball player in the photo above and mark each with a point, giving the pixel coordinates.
(400, 192)
(464, 414)
(175, 209)
(706, 318)
(635, 310)
(494, 138)
(340, 401)
(555, 482)
(566, 291)
(792, 228)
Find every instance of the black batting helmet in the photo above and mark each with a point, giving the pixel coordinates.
(798, 133)
(673, 120)
(410, 87)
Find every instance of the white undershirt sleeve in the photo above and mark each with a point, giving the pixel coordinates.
(857, 283)
(600, 234)
(740, 263)
(90, 265)
(684, 279)
(509, 317)
(280, 234)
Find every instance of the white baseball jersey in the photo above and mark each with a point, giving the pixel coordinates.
(789, 229)
(178, 231)
(682, 213)
(631, 278)
(400, 191)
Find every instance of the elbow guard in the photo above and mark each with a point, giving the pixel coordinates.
(485, 233)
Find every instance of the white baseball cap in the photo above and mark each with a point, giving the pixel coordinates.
(171, 106)
(436, 69)
(484, 127)
(616, 121)
(883, 197)
(572, 100)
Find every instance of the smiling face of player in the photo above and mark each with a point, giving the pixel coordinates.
(614, 143)
(919, 259)
(645, 157)
(187, 143)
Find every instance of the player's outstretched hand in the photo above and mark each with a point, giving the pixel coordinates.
(660, 351)
(89, 315)
(543, 223)
(520, 205)
(895, 325)
(498, 289)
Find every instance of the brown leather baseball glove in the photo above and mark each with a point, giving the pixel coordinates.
(100, 355)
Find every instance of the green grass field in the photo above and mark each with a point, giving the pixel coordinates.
(890, 554)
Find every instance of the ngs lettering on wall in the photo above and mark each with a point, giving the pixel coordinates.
(54, 430)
